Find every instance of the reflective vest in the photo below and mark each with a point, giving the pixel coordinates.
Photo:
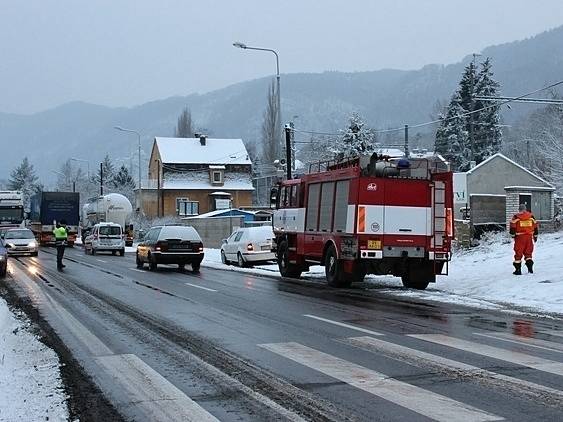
(60, 233)
(523, 223)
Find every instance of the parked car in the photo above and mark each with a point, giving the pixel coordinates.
(106, 237)
(21, 242)
(179, 245)
(3, 231)
(3, 259)
(249, 246)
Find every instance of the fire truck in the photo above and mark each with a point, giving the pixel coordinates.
(366, 215)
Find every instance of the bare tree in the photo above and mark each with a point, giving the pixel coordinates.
(537, 143)
(270, 142)
(185, 127)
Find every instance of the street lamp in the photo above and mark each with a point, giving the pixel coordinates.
(121, 129)
(64, 177)
(84, 161)
(239, 44)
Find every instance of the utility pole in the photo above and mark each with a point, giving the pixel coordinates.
(407, 153)
(288, 150)
(101, 179)
(472, 106)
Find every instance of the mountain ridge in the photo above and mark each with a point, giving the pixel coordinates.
(322, 101)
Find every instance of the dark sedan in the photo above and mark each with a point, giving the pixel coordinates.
(180, 245)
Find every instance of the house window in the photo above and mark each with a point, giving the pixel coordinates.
(217, 176)
(185, 207)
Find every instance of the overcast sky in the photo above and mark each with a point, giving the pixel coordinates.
(126, 52)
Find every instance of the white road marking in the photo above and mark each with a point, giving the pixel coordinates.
(94, 345)
(138, 270)
(527, 341)
(159, 399)
(101, 260)
(341, 324)
(494, 352)
(552, 333)
(200, 287)
(419, 358)
(414, 398)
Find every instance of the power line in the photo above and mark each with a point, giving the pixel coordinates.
(468, 113)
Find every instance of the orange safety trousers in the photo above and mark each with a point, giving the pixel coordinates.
(523, 246)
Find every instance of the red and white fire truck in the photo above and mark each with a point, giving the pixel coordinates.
(366, 215)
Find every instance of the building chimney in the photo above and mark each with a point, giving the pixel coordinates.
(202, 140)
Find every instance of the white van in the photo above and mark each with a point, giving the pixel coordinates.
(105, 237)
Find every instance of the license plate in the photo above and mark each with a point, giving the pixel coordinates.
(266, 248)
(374, 244)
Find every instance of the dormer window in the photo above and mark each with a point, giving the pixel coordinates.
(217, 175)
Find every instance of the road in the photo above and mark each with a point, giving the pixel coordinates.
(230, 346)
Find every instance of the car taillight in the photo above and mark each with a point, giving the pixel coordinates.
(161, 246)
(249, 247)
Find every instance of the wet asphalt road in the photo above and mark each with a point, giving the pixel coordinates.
(232, 346)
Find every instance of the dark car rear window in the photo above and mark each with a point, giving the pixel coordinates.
(110, 231)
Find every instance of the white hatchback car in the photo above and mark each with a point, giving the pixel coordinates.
(249, 246)
(105, 237)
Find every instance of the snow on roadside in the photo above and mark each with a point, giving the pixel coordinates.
(31, 388)
(479, 277)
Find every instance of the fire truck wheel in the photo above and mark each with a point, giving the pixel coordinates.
(333, 270)
(287, 269)
(418, 277)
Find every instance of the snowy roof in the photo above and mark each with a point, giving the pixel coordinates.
(220, 212)
(530, 188)
(190, 151)
(392, 152)
(504, 157)
(205, 185)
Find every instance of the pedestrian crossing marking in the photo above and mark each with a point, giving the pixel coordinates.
(555, 333)
(517, 358)
(416, 399)
(528, 341)
(423, 359)
(341, 324)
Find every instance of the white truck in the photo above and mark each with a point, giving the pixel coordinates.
(110, 208)
(11, 208)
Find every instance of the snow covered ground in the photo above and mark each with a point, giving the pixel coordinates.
(30, 384)
(480, 277)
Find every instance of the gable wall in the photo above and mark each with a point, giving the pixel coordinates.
(492, 177)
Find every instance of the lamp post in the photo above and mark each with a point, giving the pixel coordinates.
(278, 95)
(59, 173)
(121, 129)
(84, 161)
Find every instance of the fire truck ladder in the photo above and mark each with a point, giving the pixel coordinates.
(439, 224)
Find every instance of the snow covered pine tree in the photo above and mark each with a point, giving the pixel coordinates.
(472, 137)
(356, 140)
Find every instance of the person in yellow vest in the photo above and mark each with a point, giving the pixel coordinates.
(61, 236)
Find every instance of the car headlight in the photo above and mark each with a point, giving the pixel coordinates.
(32, 244)
(10, 245)
(2, 257)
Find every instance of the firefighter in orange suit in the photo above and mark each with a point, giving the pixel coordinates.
(524, 230)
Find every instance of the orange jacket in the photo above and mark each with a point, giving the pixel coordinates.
(523, 223)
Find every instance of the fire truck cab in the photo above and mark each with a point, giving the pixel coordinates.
(366, 215)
